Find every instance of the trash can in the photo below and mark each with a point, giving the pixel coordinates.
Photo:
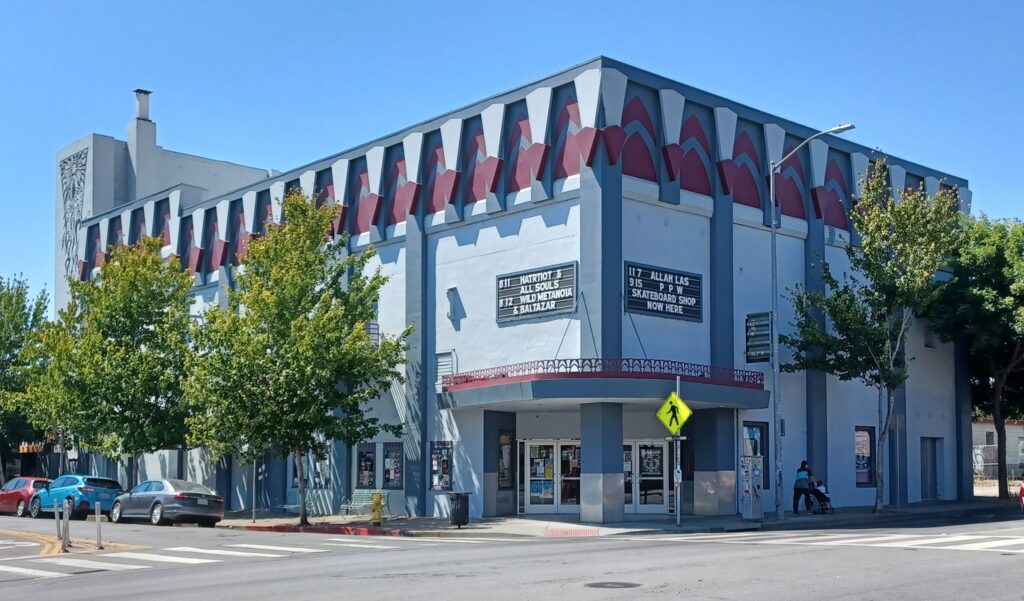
(459, 510)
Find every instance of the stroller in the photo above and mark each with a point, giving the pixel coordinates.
(821, 503)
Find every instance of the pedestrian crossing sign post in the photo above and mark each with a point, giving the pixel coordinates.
(673, 414)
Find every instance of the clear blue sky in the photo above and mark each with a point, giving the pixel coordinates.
(281, 84)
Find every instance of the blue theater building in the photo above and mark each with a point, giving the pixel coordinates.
(564, 250)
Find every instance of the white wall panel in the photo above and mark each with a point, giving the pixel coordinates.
(661, 236)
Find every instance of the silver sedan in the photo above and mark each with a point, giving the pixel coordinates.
(166, 501)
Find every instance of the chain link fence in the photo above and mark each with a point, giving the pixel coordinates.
(986, 463)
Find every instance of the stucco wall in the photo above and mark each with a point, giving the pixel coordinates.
(930, 411)
(663, 235)
(752, 294)
(469, 258)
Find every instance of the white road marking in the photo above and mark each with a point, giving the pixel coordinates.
(871, 539)
(273, 548)
(929, 541)
(362, 546)
(73, 562)
(992, 544)
(161, 558)
(20, 557)
(222, 552)
(31, 572)
(723, 537)
(799, 540)
(456, 541)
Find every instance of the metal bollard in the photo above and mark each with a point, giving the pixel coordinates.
(99, 532)
(56, 518)
(66, 540)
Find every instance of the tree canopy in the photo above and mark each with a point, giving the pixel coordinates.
(857, 330)
(108, 371)
(20, 316)
(289, 364)
(982, 307)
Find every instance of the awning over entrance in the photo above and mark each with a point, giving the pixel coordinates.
(573, 381)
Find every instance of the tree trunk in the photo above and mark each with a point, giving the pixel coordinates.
(880, 451)
(999, 420)
(303, 517)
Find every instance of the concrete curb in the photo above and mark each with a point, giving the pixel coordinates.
(892, 518)
(320, 529)
(888, 519)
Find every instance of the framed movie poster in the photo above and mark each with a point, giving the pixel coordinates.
(366, 465)
(393, 454)
(505, 440)
(441, 465)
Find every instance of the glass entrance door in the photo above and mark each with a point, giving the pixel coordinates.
(552, 471)
(646, 476)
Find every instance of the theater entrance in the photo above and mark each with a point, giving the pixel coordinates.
(552, 469)
(646, 467)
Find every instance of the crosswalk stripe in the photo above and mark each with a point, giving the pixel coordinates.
(765, 538)
(161, 558)
(799, 540)
(31, 572)
(273, 548)
(929, 541)
(871, 539)
(222, 552)
(73, 562)
(992, 544)
(731, 535)
(362, 546)
(457, 541)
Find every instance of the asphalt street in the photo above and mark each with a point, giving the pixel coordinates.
(929, 561)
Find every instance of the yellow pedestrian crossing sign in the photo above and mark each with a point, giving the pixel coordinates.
(674, 413)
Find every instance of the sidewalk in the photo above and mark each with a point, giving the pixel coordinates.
(564, 526)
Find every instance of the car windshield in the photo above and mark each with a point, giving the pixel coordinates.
(183, 486)
(103, 483)
(38, 484)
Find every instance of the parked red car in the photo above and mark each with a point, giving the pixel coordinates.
(15, 494)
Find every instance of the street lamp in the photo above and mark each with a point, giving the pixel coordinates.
(780, 512)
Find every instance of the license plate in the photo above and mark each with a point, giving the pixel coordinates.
(203, 502)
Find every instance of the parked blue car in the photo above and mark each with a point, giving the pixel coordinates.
(85, 492)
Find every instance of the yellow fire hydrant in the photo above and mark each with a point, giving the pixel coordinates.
(376, 506)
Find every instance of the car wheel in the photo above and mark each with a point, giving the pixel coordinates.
(76, 514)
(36, 508)
(115, 513)
(20, 511)
(156, 515)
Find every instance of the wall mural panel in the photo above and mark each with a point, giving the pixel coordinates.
(72, 185)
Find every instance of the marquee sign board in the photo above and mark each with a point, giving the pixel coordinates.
(663, 292)
(759, 337)
(537, 293)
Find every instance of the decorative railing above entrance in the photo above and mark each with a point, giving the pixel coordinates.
(607, 368)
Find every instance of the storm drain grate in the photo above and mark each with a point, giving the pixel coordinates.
(612, 584)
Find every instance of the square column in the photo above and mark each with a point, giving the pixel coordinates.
(714, 486)
(602, 493)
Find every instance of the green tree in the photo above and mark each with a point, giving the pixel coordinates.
(108, 372)
(869, 311)
(53, 393)
(982, 307)
(20, 316)
(133, 343)
(289, 364)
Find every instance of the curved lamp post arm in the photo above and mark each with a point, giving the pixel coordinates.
(832, 130)
(780, 512)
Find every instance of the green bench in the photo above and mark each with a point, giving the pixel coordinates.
(362, 500)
